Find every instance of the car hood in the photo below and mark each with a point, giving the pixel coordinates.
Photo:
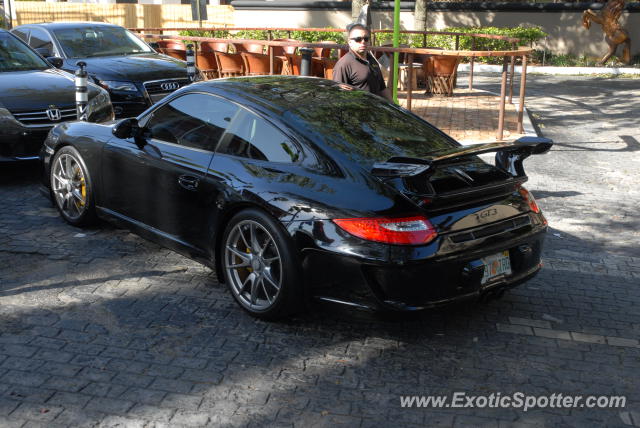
(35, 90)
(133, 68)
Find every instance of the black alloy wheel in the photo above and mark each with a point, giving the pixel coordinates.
(260, 266)
(71, 187)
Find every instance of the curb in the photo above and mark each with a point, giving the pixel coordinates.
(488, 68)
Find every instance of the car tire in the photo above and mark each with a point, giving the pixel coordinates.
(72, 188)
(260, 265)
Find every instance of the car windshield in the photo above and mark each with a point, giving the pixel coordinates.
(16, 56)
(85, 42)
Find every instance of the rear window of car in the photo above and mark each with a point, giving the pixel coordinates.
(253, 137)
(16, 56)
(365, 127)
(360, 124)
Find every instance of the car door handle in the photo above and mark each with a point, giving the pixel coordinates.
(188, 182)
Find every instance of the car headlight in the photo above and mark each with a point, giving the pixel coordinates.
(115, 85)
(5, 115)
(4, 112)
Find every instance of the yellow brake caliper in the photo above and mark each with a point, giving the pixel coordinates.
(83, 190)
(248, 250)
(83, 186)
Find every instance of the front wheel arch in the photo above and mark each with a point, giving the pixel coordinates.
(223, 222)
(80, 193)
(270, 234)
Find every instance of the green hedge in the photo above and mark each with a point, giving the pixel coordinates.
(526, 35)
(220, 34)
(303, 36)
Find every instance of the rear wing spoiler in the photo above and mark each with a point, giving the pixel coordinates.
(509, 157)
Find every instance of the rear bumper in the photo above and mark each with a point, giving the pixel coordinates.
(423, 284)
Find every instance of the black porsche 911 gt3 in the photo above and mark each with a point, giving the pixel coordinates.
(294, 187)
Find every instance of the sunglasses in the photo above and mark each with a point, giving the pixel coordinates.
(360, 39)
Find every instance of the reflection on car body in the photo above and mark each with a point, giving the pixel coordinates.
(293, 187)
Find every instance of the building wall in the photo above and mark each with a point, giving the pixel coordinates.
(126, 15)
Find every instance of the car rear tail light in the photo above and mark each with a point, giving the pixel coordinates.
(416, 230)
(530, 199)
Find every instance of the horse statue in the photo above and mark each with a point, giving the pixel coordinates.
(615, 35)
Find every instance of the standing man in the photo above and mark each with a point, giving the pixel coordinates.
(358, 67)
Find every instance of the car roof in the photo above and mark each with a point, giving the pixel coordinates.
(277, 93)
(62, 25)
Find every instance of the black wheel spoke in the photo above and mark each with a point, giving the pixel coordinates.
(244, 239)
(255, 245)
(250, 279)
(243, 256)
(271, 281)
(254, 292)
(264, 290)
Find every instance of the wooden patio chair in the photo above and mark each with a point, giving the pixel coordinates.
(229, 64)
(214, 46)
(295, 65)
(174, 53)
(171, 44)
(280, 51)
(440, 73)
(249, 47)
(206, 62)
(323, 52)
(257, 64)
(328, 65)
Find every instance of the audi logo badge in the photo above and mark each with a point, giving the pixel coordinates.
(54, 114)
(169, 86)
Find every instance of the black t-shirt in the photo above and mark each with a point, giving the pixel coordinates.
(365, 75)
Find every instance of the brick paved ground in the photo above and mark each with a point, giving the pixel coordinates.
(468, 116)
(99, 327)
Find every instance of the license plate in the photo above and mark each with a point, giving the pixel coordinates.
(496, 265)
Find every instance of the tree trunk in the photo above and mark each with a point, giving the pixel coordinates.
(356, 5)
(420, 16)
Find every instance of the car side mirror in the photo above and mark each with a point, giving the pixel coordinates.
(126, 128)
(55, 61)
